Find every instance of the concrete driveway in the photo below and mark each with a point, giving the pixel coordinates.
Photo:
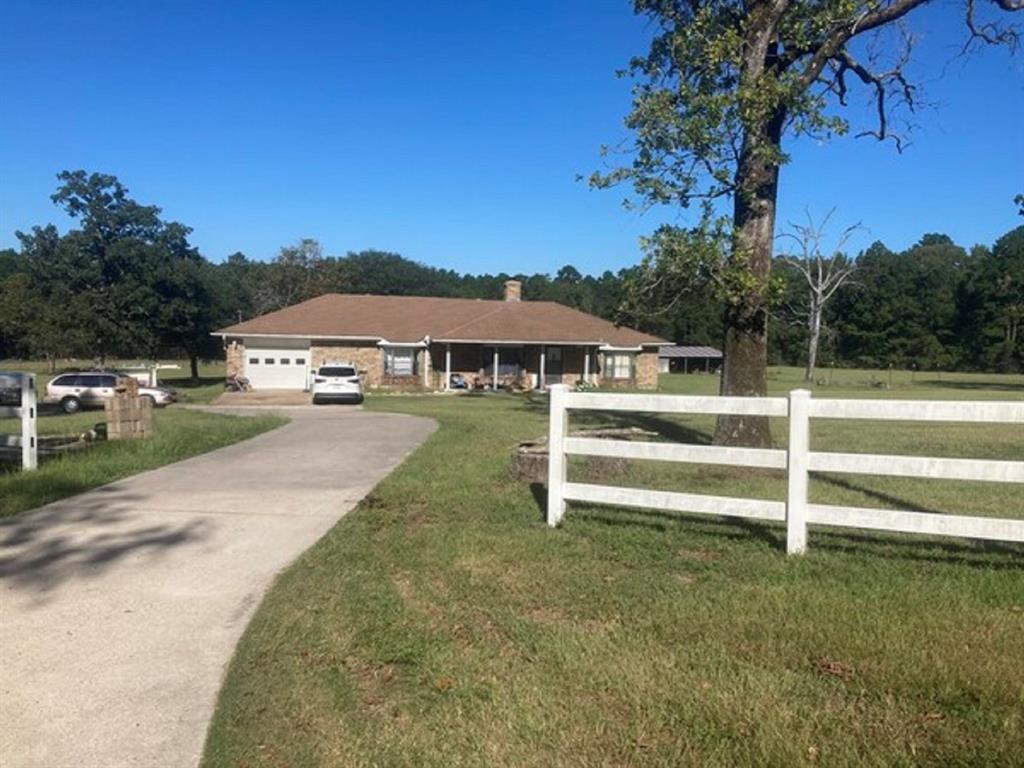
(120, 608)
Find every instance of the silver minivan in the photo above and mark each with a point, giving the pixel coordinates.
(75, 391)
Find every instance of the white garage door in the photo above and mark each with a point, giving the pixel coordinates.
(270, 368)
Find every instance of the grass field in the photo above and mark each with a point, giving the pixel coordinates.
(443, 624)
(179, 434)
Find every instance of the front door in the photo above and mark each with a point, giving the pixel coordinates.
(552, 366)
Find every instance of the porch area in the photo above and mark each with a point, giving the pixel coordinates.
(523, 367)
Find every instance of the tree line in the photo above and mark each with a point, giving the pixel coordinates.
(123, 282)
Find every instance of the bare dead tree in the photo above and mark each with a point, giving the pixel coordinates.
(823, 272)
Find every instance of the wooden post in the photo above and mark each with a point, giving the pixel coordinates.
(543, 360)
(447, 367)
(586, 365)
(797, 463)
(494, 372)
(29, 446)
(557, 430)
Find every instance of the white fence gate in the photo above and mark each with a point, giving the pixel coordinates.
(797, 460)
(26, 411)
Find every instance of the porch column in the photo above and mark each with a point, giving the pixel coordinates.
(447, 367)
(494, 372)
(586, 365)
(543, 356)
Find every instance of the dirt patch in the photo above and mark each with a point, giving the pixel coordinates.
(265, 397)
(698, 555)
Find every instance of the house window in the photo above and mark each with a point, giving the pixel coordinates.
(300, 361)
(400, 361)
(285, 361)
(254, 361)
(620, 364)
(268, 361)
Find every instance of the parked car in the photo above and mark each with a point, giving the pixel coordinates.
(91, 389)
(337, 382)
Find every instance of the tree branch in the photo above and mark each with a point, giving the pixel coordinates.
(991, 33)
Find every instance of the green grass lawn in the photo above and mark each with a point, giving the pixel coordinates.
(178, 434)
(443, 624)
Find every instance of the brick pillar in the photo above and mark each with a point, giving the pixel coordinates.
(235, 358)
(647, 370)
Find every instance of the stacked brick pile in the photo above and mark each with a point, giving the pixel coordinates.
(128, 415)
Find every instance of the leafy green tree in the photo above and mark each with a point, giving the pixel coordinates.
(903, 312)
(8, 262)
(294, 275)
(117, 283)
(723, 84)
(991, 303)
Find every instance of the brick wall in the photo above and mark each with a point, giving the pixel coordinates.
(645, 372)
(365, 358)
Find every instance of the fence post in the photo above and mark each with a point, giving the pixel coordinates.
(796, 469)
(29, 449)
(556, 453)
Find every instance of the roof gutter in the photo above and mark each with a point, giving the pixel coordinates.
(532, 342)
(310, 336)
(611, 348)
(406, 344)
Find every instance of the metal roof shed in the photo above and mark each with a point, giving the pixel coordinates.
(678, 357)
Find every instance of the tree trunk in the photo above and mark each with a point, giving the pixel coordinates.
(813, 339)
(193, 362)
(745, 350)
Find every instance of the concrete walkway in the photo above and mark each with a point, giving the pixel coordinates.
(120, 608)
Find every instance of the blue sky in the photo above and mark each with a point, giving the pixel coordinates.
(450, 132)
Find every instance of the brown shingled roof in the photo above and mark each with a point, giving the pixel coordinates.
(409, 319)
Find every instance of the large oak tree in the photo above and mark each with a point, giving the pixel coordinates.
(723, 84)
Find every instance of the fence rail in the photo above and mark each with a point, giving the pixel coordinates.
(26, 411)
(798, 460)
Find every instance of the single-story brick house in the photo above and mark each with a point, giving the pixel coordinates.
(423, 342)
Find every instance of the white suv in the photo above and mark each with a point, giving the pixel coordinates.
(337, 382)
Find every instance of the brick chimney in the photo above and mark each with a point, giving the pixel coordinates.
(513, 290)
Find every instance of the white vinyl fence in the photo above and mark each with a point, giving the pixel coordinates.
(798, 460)
(25, 384)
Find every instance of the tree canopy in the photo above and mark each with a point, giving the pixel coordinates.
(124, 282)
(721, 88)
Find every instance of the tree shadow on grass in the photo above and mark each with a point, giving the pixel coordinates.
(988, 386)
(895, 501)
(663, 427)
(81, 538)
(190, 383)
(731, 528)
